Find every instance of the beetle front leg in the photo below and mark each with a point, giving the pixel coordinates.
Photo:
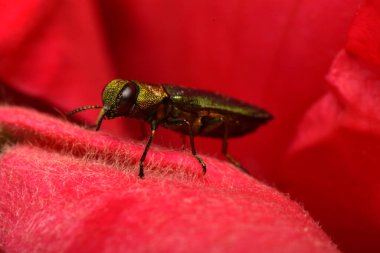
(153, 128)
(179, 122)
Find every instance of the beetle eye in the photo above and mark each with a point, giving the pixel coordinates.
(127, 99)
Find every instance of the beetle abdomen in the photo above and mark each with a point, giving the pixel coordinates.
(203, 109)
(202, 127)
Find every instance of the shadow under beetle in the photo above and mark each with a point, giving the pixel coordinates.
(184, 110)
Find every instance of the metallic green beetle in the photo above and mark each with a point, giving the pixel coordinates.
(184, 110)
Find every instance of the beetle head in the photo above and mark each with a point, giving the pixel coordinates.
(119, 98)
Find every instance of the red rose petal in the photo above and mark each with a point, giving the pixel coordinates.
(334, 160)
(65, 189)
(364, 36)
(333, 166)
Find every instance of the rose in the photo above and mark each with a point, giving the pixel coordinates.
(275, 55)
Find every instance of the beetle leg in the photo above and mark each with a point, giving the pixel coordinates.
(194, 152)
(179, 122)
(225, 152)
(153, 127)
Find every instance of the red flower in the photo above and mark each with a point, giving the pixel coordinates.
(321, 147)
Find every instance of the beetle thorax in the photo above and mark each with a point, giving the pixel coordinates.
(149, 97)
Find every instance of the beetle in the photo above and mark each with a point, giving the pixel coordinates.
(188, 111)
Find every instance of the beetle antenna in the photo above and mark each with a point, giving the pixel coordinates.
(83, 108)
(100, 119)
